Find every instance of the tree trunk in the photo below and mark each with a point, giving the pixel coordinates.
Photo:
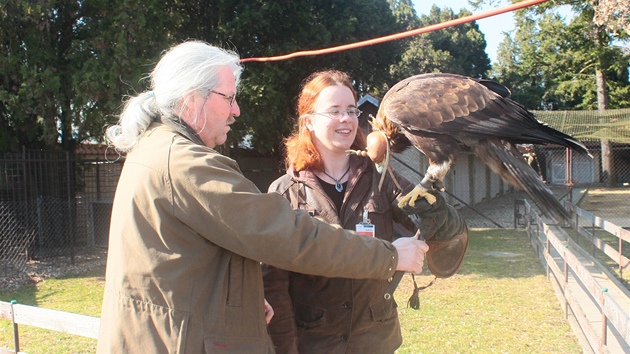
(64, 38)
(608, 173)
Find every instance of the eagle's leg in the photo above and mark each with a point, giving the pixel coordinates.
(431, 182)
(418, 191)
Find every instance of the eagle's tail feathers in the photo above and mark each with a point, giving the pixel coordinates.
(505, 160)
(550, 135)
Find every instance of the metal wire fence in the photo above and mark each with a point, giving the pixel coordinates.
(577, 178)
(53, 208)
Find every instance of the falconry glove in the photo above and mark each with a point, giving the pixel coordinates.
(444, 230)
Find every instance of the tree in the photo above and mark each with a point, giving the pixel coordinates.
(116, 43)
(533, 62)
(552, 65)
(613, 15)
(258, 29)
(589, 69)
(26, 88)
(62, 63)
(458, 50)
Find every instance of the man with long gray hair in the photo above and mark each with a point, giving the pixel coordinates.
(189, 231)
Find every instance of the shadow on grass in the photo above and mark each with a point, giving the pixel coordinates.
(30, 294)
(500, 253)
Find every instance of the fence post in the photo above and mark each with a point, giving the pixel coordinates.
(604, 340)
(593, 235)
(25, 207)
(566, 282)
(617, 233)
(577, 218)
(71, 208)
(16, 335)
(98, 179)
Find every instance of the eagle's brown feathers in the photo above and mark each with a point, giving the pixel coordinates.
(440, 113)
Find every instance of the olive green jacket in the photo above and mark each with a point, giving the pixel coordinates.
(188, 232)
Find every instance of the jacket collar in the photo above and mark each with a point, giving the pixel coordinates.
(180, 127)
(358, 165)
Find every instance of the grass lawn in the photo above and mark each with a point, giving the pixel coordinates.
(499, 302)
(78, 294)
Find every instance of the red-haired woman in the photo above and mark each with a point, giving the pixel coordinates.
(315, 314)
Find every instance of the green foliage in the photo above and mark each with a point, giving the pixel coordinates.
(66, 65)
(117, 42)
(550, 64)
(458, 50)
(63, 63)
(269, 90)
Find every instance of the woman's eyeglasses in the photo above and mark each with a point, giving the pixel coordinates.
(337, 114)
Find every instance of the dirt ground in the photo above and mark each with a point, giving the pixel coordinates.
(612, 204)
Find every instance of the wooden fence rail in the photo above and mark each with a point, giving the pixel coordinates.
(597, 223)
(608, 333)
(60, 321)
(605, 316)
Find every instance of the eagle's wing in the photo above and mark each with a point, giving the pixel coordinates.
(439, 112)
(466, 109)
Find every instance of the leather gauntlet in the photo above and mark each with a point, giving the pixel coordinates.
(444, 230)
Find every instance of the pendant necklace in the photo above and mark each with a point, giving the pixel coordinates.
(338, 185)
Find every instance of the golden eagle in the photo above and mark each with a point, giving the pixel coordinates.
(439, 113)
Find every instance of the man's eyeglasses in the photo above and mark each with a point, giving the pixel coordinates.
(337, 114)
(230, 99)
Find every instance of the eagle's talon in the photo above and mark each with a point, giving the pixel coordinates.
(417, 192)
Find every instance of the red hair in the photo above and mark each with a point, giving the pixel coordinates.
(301, 153)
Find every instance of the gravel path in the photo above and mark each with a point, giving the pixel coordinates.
(499, 210)
(39, 271)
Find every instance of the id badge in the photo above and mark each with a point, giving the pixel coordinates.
(365, 228)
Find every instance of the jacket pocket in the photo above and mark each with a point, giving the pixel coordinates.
(145, 326)
(383, 309)
(307, 317)
(380, 215)
(235, 281)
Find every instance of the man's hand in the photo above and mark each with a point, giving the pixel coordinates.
(268, 312)
(411, 253)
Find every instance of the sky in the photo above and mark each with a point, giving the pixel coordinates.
(492, 27)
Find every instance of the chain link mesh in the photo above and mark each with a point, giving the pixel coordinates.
(53, 208)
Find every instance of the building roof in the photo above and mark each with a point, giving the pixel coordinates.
(370, 99)
(612, 125)
(98, 151)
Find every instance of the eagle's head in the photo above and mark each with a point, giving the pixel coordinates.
(398, 142)
(378, 145)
